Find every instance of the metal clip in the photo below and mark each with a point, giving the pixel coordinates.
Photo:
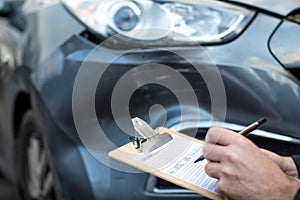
(147, 138)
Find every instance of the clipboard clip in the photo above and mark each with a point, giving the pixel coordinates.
(146, 138)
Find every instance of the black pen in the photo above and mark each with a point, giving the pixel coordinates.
(245, 132)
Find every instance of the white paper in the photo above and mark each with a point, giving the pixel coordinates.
(177, 159)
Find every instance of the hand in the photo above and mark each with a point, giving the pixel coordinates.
(286, 164)
(243, 170)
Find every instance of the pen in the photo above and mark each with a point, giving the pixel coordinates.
(245, 132)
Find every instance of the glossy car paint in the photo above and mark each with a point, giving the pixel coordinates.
(40, 68)
(275, 6)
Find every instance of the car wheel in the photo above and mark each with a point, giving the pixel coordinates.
(35, 174)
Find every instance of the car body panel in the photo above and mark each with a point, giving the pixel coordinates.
(275, 6)
(255, 59)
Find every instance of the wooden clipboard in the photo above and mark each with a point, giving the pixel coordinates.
(127, 153)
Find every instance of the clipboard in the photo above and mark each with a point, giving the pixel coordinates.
(135, 158)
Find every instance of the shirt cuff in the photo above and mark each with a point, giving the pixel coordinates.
(297, 197)
(296, 160)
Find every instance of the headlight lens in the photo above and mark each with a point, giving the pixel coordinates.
(204, 21)
(126, 17)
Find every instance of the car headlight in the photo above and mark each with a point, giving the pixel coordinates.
(204, 21)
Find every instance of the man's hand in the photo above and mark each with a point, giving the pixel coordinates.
(243, 170)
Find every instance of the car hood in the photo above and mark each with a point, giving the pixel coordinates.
(275, 6)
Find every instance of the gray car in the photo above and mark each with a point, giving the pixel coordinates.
(74, 72)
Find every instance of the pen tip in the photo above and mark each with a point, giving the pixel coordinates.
(199, 159)
(261, 121)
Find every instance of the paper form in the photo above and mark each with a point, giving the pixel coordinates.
(177, 159)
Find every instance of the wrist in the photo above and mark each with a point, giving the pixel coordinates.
(292, 189)
(289, 167)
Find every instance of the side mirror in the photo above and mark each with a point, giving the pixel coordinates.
(285, 46)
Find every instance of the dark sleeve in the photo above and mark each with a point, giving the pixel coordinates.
(296, 159)
(297, 197)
